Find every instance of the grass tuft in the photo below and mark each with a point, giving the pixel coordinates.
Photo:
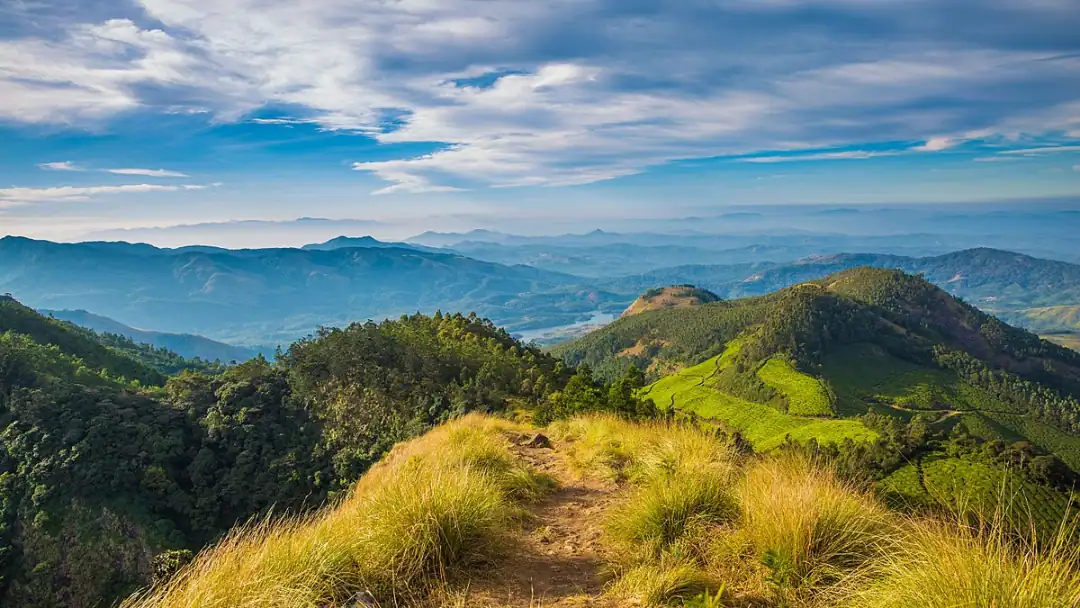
(809, 528)
(939, 564)
(663, 583)
(656, 517)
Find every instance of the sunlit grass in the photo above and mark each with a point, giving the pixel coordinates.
(434, 506)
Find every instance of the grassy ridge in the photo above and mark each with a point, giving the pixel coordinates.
(433, 507)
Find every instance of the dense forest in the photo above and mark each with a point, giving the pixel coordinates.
(112, 471)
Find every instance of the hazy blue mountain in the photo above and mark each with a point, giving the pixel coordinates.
(345, 242)
(268, 296)
(186, 345)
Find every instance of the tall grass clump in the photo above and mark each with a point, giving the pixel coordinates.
(808, 528)
(657, 517)
(951, 564)
(664, 582)
(434, 506)
(612, 448)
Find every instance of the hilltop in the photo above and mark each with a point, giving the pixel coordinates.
(676, 296)
(1036, 293)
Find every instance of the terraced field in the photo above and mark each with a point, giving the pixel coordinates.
(805, 394)
(964, 484)
(864, 376)
(764, 426)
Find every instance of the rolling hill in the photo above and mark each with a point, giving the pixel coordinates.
(678, 296)
(810, 361)
(1030, 292)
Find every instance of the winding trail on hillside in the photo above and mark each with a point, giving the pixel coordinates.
(556, 557)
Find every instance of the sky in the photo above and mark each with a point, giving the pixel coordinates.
(155, 113)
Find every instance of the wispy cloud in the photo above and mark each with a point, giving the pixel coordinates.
(629, 85)
(147, 172)
(10, 197)
(841, 155)
(936, 144)
(61, 166)
(1042, 151)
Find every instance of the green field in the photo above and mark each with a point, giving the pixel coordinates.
(964, 484)
(805, 394)
(764, 426)
(864, 376)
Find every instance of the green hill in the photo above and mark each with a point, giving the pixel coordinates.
(871, 366)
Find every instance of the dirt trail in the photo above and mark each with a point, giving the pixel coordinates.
(555, 559)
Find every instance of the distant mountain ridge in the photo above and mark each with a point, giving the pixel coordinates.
(186, 345)
(273, 295)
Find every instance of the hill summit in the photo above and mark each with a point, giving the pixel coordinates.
(676, 296)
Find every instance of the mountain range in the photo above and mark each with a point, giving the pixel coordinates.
(254, 297)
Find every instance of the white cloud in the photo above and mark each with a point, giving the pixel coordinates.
(842, 155)
(1042, 150)
(936, 144)
(10, 197)
(570, 92)
(1076, 167)
(147, 172)
(61, 166)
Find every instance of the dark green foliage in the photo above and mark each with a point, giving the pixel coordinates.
(93, 464)
(75, 342)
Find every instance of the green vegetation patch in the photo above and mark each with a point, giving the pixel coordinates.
(805, 394)
(763, 425)
(865, 376)
(968, 485)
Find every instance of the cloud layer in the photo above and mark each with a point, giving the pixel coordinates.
(562, 92)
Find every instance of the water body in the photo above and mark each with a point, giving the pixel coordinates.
(565, 332)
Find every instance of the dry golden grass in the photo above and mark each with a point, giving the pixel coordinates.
(950, 564)
(695, 522)
(434, 506)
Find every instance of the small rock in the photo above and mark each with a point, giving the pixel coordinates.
(537, 441)
(364, 599)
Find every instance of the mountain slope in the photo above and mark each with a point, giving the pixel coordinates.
(872, 339)
(186, 345)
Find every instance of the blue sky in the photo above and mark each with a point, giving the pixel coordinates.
(118, 114)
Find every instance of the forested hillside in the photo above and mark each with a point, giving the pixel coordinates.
(186, 345)
(1035, 293)
(110, 472)
(866, 357)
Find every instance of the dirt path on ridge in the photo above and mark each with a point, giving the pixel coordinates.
(554, 561)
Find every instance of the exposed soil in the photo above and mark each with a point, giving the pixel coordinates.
(556, 558)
